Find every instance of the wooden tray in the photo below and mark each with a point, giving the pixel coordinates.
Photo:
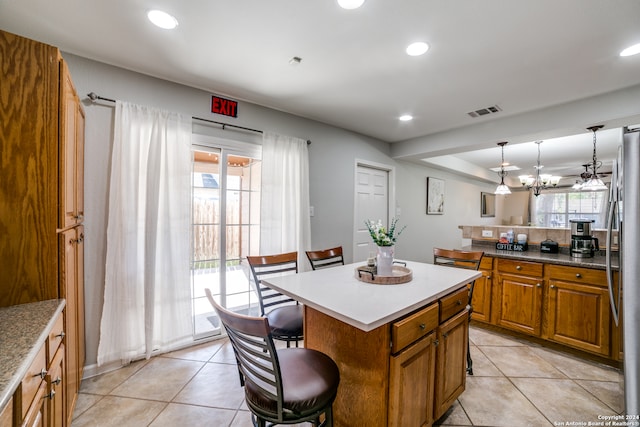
(400, 275)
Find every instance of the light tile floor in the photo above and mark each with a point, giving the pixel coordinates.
(515, 383)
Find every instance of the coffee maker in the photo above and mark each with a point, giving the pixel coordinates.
(583, 244)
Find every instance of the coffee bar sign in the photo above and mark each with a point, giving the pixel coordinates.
(223, 106)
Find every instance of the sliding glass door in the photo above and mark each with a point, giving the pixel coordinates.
(225, 229)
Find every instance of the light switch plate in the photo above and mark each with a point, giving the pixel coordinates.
(487, 233)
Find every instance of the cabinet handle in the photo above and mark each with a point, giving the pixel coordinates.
(488, 277)
(42, 374)
(423, 326)
(61, 335)
(538, 285)
(518, 267)
(445, 335)
(50, 395)
(80, 217)
(552, 286)
(436, 342)
(578, 275)
(459, 302)
(56, 381)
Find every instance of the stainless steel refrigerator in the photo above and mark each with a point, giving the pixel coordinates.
(624, 214)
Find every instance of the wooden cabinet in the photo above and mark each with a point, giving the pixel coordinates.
(28, 188)
(72, 289)
(411, 389)
(451, 361)
(56, 391)
(427, 376)
(481, 301)
(565, 304)
(578, 309)
(42, 147)
(519, 296)
(412, 367)
(71, 167)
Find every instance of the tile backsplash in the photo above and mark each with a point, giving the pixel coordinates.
(535, 235)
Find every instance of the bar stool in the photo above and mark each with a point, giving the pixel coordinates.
(461, 259)
(286, 386)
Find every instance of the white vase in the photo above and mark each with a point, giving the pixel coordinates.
(385, 260)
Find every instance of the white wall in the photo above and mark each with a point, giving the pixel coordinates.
(332, 160)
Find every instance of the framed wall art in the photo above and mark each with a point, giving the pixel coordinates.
(435, 196)
(487, 204)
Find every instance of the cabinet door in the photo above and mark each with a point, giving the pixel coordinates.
(37, 414)
(520, 303)
(29, 157)
(69, 283)
(451, 362)
(579, 316)
(55, 398)
(481, 301)
(71, 152)
(411, 384)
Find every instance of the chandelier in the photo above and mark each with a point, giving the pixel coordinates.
(585, 176)
(594, 183)
(540, 181)
(502, 187)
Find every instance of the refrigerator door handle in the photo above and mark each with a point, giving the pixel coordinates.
(615, 308)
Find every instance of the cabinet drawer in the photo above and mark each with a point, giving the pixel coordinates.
(414, 326)
(520, 267)
(578, 274)
(55, 338)
(453, 303)
(32, 380)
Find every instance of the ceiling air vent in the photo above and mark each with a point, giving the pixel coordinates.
(484, 111)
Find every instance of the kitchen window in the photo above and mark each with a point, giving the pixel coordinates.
(554, 208)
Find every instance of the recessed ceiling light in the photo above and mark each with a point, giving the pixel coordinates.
(350, 4)
(417, 49)
(405, 118)
(631, 50)
(162, 19)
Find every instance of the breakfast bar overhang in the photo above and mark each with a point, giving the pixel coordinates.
(375, 333)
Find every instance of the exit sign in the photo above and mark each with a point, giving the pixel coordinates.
(225, 107)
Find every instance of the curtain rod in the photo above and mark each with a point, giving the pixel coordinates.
(95, 97)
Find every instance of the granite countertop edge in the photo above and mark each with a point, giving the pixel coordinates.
(598, 261)
(25, 328)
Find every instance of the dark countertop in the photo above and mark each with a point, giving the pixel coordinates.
(534, 254)
(23, 330)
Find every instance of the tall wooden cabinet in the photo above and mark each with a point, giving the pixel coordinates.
(41, 195)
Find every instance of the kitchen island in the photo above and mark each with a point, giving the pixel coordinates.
(384, 339)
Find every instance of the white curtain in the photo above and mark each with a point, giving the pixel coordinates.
(147, 292)
(284, 210)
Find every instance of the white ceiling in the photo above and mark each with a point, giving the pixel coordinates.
(521, 55)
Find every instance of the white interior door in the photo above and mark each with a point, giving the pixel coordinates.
(372, 201)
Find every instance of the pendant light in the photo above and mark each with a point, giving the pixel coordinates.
(502, 187)
(594, 183)
(540, 181)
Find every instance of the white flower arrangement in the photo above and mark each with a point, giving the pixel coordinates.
(380, 235)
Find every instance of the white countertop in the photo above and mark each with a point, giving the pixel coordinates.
(337, 292)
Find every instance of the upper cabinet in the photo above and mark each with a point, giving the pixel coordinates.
(29, 136)
(71, 152)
